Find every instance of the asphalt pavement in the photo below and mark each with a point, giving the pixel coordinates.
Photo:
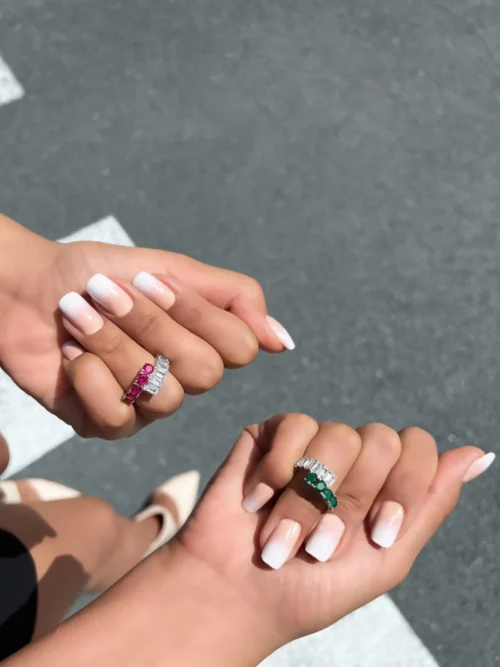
(344, 153)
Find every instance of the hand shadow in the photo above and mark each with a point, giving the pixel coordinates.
(28, 609)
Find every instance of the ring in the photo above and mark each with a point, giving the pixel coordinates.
(320, 478)
(157, 377)
(149, 379)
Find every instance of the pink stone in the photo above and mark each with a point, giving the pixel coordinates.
(134, 391)
(142, 380)
(147, 369)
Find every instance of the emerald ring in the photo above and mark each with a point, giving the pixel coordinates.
(320, 478)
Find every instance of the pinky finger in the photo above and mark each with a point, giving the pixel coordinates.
(105, 414)
(456, 467)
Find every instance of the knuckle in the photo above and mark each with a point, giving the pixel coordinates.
(415, 432)
(383, 437)
(210, 373)
(246, 350)
(274, 472)
(253, 288)
(302, 422)
(116, 419)
(149, 326)
(112, 344)
(175, 399)
(342, 432)
(353, 504)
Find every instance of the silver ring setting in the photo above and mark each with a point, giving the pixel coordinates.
(157, 377)
(323, 473)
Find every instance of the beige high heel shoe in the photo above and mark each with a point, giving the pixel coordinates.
(180, 494)
(45, 489)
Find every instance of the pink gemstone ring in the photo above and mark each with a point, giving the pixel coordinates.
(138, 385)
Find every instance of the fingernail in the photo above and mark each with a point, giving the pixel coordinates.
(71, 350)
(281, 332)
(280, 544)
(387, 524)
(325, 537)
(479, 466)
(257, 497)
(109, 295)
(85, 318)
(154, 289)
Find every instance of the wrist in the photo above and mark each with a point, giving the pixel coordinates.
(209, 618)
(173, 609)
(20, 248)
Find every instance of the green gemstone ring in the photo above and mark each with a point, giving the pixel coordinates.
(320, 478)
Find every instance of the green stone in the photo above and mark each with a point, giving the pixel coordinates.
(332, 504)
(311, 478)
(321, 486)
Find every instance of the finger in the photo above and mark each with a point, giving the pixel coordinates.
(299, 507)
(123, 356)
(232, 339)
(380, 450)
(194, 362)
(239, 294)
(284, 441)
(454, 467)
(99, 393)
(405, 488)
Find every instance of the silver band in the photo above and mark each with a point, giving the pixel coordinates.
(157, 377)
(323, 473)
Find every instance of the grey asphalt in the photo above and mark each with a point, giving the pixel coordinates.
(346, 154)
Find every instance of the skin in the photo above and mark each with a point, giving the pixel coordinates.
(230, 608)
(35, 273)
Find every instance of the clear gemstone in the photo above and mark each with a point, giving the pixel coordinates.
(316, 466)
(329, 478)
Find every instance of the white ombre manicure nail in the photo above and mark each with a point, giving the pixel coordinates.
(154, 289)
(257, 497)
(71, 350)
(325, 537)
(280, 331)
(81, 314)
(479, 466)
(109, 295)
(280, 544)
(387, 524)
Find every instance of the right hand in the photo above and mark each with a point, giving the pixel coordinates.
(393, 489)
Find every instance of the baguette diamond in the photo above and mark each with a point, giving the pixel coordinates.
(321, 472)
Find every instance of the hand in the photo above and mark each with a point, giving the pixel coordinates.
(36, 273)
(394, 492)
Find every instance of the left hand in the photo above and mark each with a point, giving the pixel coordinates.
(221, 313)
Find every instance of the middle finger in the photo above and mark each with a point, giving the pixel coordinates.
(194, 362)
(299, 507)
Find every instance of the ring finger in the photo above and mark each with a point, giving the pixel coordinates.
(122, 355)
(299, 507)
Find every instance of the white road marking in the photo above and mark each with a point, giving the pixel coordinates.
(377, 635)
(30, 430)
(10, 88)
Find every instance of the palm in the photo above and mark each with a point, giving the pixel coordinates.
(303, 595)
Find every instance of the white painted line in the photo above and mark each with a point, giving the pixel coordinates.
(377, 635)
(30, 430)
(10, 88)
